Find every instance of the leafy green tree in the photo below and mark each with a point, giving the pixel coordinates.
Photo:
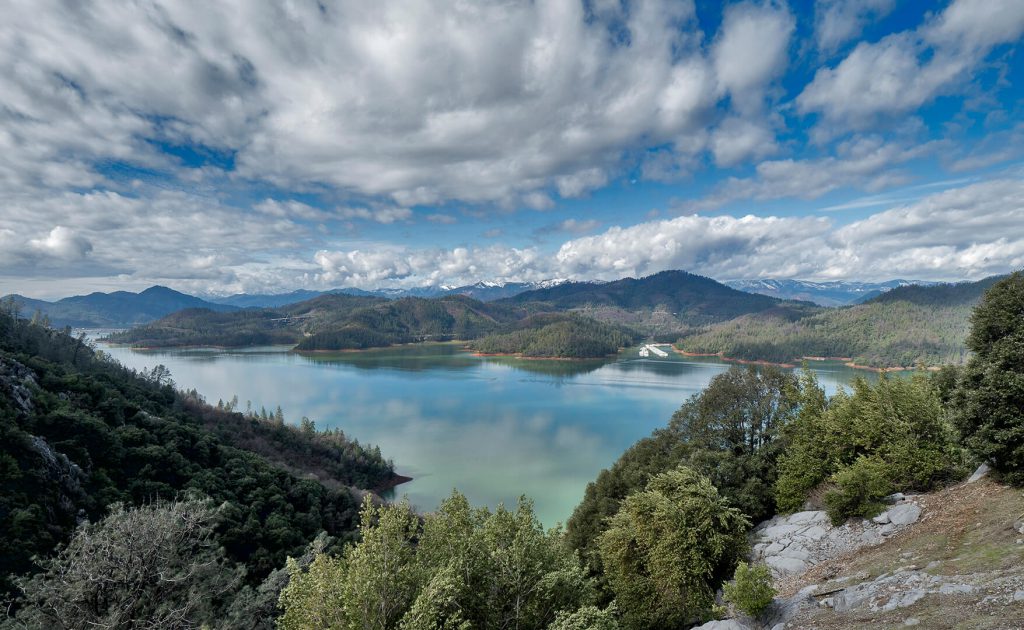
(156, 566)
(990, 399)
(732, 432)
(669, 547)
(751, 589)
(455, 569)
(897, 423)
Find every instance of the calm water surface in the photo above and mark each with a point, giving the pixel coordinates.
(493, 427)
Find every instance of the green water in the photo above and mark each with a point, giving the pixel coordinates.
(494, 427)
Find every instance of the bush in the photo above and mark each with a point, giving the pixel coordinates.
(897, 423)
(751, 589)
(668, 549)
(990, 398)
(859, 490)
(587, 618)
(157, 566)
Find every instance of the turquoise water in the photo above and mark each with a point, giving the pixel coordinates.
(494, 427)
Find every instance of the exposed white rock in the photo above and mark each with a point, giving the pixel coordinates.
(981, 471)
(904, 514)
(792, 544)
(724, 624)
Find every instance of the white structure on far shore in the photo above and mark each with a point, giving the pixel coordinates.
(650, 349)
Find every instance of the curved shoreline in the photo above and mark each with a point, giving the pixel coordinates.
(847, 362)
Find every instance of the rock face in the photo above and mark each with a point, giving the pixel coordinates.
(15, 380)
(909, 585)
(791, 544)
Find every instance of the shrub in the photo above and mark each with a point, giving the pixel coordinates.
(859, 490)
(669, 547)
(751, 589)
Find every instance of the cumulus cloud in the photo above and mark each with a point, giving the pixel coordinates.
(494, 102)
(62, 243)
(968, 232)
(905, 70)
(751, 49)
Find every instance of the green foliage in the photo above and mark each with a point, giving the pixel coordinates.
(459, 568)
(669, 547)
(730, 432)
(859, 490)
(79, 433)
(587, 618)
(806, 460)
(897, 424)
(157, 566)
(751, 589)
(561, 336)
(990, 398)
(902, 327)
(328, 322)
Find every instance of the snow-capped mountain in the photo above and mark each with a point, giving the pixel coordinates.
(831, 293)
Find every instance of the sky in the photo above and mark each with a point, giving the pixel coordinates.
(235, 146)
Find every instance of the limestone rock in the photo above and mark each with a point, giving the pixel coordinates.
(723, 624)
(982, 471)
(904, 514)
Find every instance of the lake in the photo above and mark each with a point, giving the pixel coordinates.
(494, 427)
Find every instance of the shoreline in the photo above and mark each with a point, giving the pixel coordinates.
(392, 483)
(847, 362)
(514, 355)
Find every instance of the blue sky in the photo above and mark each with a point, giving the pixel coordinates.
(239, 147)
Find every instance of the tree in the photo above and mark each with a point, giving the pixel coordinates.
(156, 566)
(669, 547)
(730, 432)
(461, 568)
(990, 398)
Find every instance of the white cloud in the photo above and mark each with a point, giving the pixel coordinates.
(866, 162)
(751, 49)
(380, 215)
(838, 21)
(967, 232)
(905, 70)
(62, 243)
(737, 140)
(493, 102)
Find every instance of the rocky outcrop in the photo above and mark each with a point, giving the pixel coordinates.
(792, 544)
(16, 382)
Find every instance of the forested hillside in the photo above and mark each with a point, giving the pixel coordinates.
(558, 336)
(902, 327)
(79, 433)
(666, 303)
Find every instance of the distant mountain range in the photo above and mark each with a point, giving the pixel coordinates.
(482, 291)
(834, 293)
(548, 321)
(667, 303)
(115, 310)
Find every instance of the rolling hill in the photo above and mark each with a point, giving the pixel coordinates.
(117, 309)
(665, 304)
(900, 328)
